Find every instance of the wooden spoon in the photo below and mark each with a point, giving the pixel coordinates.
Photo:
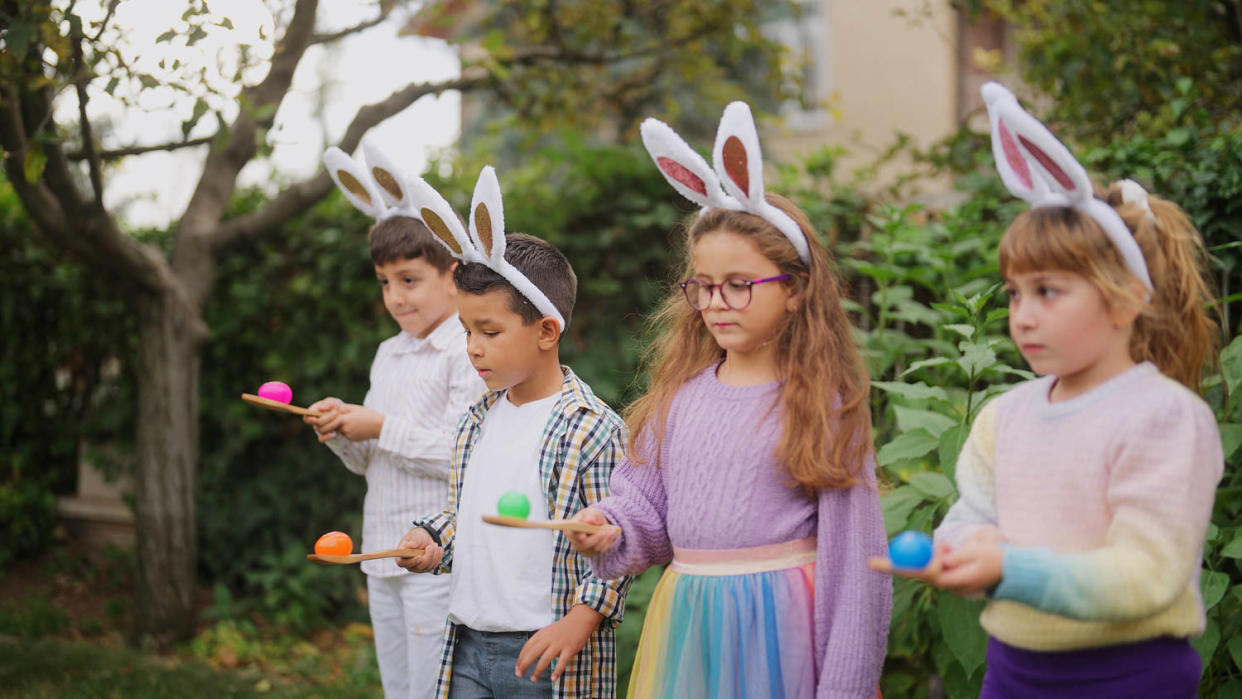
(561, 524)
(355, 557)
(277, 405)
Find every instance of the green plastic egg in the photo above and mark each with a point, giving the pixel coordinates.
(513, 504)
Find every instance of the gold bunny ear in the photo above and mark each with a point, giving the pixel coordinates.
(483, 226)
(440, 229)
(354, 183)
(487, 216)
(351, 184)
(388, 181)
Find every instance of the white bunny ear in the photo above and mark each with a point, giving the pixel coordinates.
(487, 216)
(738, 159)
(357, 187)
(385, 174)
(438, 215)
(1034, 165)
(685, 169)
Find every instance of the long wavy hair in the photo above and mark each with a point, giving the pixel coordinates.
(1176, 331)
(826, 434)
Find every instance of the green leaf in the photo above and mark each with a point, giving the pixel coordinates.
(907, 445)
(916, 391)
(897, 506)
(1206, 644)
(196, 35)
(976, 357)
(1230, 438)
(951, 441)
(36, 160)
(935, 485)
(166, 36)
(909, 419)
(1235, 650)
(1233, 549)
(924, 363)
(959, 623)
(1212, 585)
(996, 314)
(966, 331)
(17, 38)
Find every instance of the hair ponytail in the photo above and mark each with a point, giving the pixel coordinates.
(1177, 332)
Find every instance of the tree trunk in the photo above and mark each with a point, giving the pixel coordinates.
(167, 434)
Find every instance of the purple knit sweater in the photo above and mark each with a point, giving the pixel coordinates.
(719, 486)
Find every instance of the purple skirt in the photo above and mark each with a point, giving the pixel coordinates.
(1161, 667)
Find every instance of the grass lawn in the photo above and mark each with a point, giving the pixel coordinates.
(60, 668)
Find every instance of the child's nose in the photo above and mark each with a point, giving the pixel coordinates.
(1022, 315)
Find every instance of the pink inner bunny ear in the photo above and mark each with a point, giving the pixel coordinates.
(682, 174)
(1016, 162)
(735, 164)
(1053, 169)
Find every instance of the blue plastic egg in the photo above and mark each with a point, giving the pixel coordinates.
(910, 550)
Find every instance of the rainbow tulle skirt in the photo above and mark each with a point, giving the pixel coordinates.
(730, 624)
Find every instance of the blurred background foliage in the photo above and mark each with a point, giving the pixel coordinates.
(1123, 81)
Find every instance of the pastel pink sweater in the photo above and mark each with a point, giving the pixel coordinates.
(1103, 500)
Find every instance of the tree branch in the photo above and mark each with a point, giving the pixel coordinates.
(104, 23)
(361, 26)
(80, 81)
(297, 198)
(116, 153)
(228, 155)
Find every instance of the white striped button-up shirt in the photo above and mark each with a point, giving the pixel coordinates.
(423, 387)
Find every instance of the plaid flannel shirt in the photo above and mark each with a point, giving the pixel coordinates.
(582, 442)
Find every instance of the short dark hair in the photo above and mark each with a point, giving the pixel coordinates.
(544, 265)
(404, 238)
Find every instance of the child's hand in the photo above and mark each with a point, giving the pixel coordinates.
(928, 574)
(329, 407)
(990, 534)
(973, 568)
(559, 641)
(355, 422)
(418, 538)
(592, 544)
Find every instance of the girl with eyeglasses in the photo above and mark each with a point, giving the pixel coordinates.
(749, 466)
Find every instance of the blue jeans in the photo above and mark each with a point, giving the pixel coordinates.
(483, 664)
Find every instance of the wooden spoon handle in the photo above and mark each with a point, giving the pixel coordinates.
(561, 524)
(277, 405)
(356, 557)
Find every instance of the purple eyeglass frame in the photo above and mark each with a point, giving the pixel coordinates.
(713, 288)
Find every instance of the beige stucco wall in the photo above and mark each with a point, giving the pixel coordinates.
(885, 74)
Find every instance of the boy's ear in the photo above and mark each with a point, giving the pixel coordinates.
(549, 333)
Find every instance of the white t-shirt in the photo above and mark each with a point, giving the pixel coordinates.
(502, 576)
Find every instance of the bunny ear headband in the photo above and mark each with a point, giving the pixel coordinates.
(382, 192)
(379, 191)
(485, 243)
(1039, 169)
(739, 165)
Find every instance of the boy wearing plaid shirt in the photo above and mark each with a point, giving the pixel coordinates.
(521, 601)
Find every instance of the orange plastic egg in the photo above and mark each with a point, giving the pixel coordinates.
(334, 544)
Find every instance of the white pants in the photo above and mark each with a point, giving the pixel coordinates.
(407, 616)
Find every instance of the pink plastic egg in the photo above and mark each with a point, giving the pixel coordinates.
(278, 391)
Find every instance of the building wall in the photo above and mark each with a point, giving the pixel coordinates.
(882, 73)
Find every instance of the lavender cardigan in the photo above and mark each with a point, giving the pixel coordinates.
(719, 486)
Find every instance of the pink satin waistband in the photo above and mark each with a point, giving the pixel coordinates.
(756, 559)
